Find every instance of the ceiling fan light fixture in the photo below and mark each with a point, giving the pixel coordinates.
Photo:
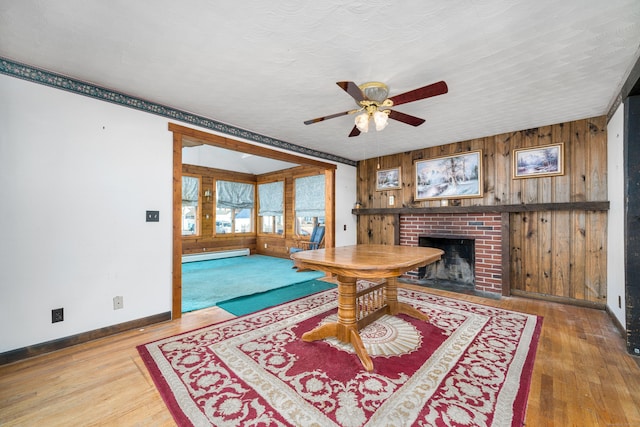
(381, 118)
(373, 103)
(362, 122)
(375, 91)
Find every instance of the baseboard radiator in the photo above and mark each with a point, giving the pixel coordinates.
(214, 255)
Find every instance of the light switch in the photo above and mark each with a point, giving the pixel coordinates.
(153, 216)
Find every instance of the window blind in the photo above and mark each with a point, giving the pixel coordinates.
(234, 195)
(190, 190)
(271, 198)
(310, 196)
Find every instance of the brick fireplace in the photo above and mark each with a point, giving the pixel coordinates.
(483, 228)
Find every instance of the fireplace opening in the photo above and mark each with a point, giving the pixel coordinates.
(455, 270)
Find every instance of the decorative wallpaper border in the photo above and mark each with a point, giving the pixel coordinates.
(47, 78)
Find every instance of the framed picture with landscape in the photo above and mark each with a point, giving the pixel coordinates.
(545, 160)
(388, 179)
(450, 177)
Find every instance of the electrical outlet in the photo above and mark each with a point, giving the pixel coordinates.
(57, 315)
(636, 350)
(118, 303)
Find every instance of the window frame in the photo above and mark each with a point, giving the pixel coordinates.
(315, 220)
(233, 211)
(198, 215)
(260, 218)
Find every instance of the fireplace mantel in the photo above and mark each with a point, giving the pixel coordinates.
(532, 207)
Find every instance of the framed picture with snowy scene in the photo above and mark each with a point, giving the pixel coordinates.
(450, 177)
(545, 160)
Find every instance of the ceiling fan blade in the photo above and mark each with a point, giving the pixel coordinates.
(352, 89)
(354, 132)
(420, 93)
(332, 116)
(405, 118)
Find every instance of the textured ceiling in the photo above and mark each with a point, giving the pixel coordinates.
(269, 66)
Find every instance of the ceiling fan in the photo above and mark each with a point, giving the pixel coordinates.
(372, 101)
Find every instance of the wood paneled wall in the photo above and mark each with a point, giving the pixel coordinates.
(206, 240)
(558, 253)
(278, 245)
(266, 244)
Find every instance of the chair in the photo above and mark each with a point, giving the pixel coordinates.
(316, 241)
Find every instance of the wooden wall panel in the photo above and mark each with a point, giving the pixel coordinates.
(516, 227)
(530, 253)
(596, 257)
(557, 253)
(377, 229)
(577, 256)
(597, 158)
(578, 156)
(584, 180)
(562, 184)
(561, 268)
(501, 158)
(569, 262)
(545, 250)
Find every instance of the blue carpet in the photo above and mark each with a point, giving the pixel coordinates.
(252, 303)
(205, 283)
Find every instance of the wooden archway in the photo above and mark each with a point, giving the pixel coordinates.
(183, 137)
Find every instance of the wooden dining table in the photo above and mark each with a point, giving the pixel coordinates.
(356, 309)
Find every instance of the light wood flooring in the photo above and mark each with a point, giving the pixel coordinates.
(582, 375)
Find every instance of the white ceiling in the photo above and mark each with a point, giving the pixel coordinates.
(269, 66)
(220, 158)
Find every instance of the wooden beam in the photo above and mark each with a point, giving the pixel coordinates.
(176, 304)
(192, 137)
(330, 215)
(532, 207)
(506, 254)
(632, 225)
(396, 230)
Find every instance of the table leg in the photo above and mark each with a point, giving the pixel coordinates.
(321, 332)
(346, 329)
(396, 307)
(358, 346)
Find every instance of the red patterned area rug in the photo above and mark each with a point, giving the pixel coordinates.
(469, 366)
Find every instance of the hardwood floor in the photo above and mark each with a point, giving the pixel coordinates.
(582, 375)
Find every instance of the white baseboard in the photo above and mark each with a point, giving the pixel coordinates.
(214, 255)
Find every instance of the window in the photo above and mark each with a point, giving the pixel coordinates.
(270, 210)
(234, 207)
(309, 203)
(190, 191)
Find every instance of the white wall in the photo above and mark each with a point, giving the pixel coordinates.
(76, 177)
(345, 199)
(615, 225)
